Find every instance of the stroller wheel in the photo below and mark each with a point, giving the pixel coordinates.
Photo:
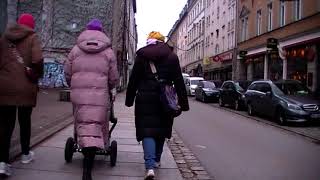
(69, 150)
(113, 153)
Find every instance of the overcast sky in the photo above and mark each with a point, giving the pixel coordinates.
(156, 15)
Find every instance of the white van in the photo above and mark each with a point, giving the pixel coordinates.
(191, 84)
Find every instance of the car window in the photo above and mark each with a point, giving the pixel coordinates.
(187, 81)
(258, 87)
(265, 87)
(253, 87)
(195, 82)
(238, 87)
(208, 85)
(277, 91)
(200, 84)
(226, 86)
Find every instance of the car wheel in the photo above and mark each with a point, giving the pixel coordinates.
(281, 117)
(250, 110)
(221, 104)
(236, 105)
(203, 98)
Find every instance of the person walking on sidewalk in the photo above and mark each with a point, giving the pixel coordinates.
(152, 126)
(91, 70)
(21, 65)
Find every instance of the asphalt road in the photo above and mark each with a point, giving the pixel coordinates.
(233, 147)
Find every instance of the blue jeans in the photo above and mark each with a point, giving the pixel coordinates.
(152, 148)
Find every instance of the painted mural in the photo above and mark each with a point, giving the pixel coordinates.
(53, 76)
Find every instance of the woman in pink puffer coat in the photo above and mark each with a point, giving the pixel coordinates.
(91, 70)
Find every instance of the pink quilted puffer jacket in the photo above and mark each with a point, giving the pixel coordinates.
(91, 70)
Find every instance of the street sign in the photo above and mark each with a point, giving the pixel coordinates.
(272, 43)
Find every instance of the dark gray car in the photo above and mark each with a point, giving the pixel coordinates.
(266, 98)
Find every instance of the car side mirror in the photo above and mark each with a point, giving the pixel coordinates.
(269, 94)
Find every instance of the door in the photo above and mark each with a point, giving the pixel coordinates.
(225, 91)
(266, 99)
(198, 91)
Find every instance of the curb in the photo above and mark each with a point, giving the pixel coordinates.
(188, 164)
(313, 139)
(15, 150)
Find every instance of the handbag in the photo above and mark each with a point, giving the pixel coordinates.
(28, 71)
(168, 95)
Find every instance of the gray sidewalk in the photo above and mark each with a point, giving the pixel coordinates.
(50, 164)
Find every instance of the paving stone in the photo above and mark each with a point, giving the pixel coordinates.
(185, 170)
(200, 172)
(180, 161)
(197, 168)
(189, 157)
(187, 175)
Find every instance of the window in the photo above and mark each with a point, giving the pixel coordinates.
(262, 87)
(229, 41)
(218, 12)
(217, 49)
(244, 32)
(282, 13)
(223, 43)
(297, 9)
(232, 39)
(269, 17)
(259, 22)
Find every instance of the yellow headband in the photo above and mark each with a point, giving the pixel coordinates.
(156, 35)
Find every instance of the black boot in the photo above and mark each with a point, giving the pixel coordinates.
(88, 165)
(86, 170)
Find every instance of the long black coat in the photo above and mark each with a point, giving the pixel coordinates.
(144, 90)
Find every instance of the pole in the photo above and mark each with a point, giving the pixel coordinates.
(124, 52)
(236, 65)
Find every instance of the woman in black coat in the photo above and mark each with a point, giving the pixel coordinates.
(152, 126)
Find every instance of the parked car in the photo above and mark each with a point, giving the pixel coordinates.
(207, 92)
(185, 76)
(291, 102)
(217, 83)
(232, 93)
(191, 84)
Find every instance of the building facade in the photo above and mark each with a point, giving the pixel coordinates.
(219, 44)
(59, 23)
(279, 40)
(177, 37)
(195, 38)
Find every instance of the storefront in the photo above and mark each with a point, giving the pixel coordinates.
(220, 67)
(303, 64)
(255, 67)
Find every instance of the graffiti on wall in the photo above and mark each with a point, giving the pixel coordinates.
(53, 76)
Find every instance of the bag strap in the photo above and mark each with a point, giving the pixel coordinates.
(154, 70)
(16, 53)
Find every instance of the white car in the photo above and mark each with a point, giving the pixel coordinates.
(191, 84)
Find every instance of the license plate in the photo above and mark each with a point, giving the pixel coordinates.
(315, 116)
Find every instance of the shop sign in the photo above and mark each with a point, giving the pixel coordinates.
(222, 57)
(272, 43)
(206, 61)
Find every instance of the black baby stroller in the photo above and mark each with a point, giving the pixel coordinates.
(71, 145)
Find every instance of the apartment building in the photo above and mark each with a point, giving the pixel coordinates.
(195, 37)
(279, 39)
(219, 43)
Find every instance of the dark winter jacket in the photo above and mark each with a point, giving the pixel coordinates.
(144, 90)
(15, 87)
